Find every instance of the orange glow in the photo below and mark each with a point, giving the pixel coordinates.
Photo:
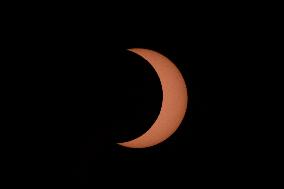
(174, 102)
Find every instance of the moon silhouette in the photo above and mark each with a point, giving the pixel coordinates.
(174, 101)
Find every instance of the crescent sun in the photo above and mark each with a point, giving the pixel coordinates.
(174, 101)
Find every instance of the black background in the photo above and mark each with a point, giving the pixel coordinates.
(82, 92)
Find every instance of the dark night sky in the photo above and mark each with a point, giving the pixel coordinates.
(87, 92)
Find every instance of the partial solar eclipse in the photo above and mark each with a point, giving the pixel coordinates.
(174, 101)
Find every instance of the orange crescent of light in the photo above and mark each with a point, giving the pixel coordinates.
(174, 102)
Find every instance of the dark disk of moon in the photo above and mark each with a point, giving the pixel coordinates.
(174, 102)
